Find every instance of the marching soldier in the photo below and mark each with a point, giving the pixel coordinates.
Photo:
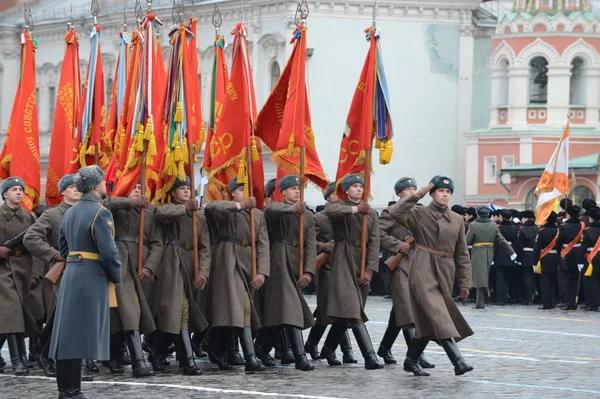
(504, 260)
(176, 309)
(546, 254)
(347, 290)
(324, 233)
(133, 315)
(587, 205)
(81, 328)
(18, 274)
(269, 190)
(41, 240)
(588, 260)
(589, 286)
(441, 252)
(525, 257)
(397, 239)
(233, 309)
(483, 235)
(284, 305)
(569, 242)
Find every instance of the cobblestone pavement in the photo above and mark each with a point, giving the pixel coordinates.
(517, 351)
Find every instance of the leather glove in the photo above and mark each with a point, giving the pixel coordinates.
(580, 267)
(299, 207)
(191, 205)
(140, 202)
(424, 190)
(513, 257)
(248, 203)
(4, 252)
(363, 208)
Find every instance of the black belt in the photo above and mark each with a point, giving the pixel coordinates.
(127, 239)
(180, 244)
(243, 243)
(352, 243)
(292, 243)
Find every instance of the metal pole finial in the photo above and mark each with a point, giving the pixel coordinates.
(149, 5)
(242, 11)
(28, 18)
(95, 10)
(302, 12)
(217, 20)
(124, 16)
(193, 9)
(71, 21)
(139, 14)
(374, 24)
(177, 13)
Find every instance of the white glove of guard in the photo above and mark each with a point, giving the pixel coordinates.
(513, 257)
(580, 267)
(492, 264)
(534, 267)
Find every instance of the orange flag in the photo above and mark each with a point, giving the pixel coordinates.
(65, 119)
(21, 152)
(231, 140)
(195, 127)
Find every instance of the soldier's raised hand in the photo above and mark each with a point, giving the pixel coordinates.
(140, 202)
(249, 203)
(363, 208)
(191, 205)
(299, 207)
(424, 190)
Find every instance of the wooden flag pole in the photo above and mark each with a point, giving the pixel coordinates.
(301, 221)
(140, 243)
(363, 240)
(194, 221)
(251, 194)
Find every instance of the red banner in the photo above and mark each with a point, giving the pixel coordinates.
(193, 105)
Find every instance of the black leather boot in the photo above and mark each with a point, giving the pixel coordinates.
(2, 361)
(18, 367)
(252, 363)
(411, 362)
(265, 338)
(86, 374)
(71, 383)
(451, 349)
(334, 336)
(161, 341)
(197, 339)
(91, 366)
(233, 356)
(385, 347)
(138, 363)
(287, 354)
(346, 347)
(120, 350)
(23, 350)
(61, 370)
(115, 353)
(366, 347)
(187, 363)
(294, 334)
(37, 352)
(312, 342)
(221, 346)
(409, 334)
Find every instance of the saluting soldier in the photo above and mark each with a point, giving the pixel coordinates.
(483, 235)
(569, 241)
(396, 239)
(324, 233)
(85, 240)
(18, 274)
(347, 290)
(588, 260)
(284, 305)
(440, 254)
(504, 260)
(133, 315)
(41, 240)
(525, 258)
(546, 252)
(176, 309)
(233, 308)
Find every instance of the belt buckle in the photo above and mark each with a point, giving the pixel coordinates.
(295, 243)
(244, 243)
(18, 253)
(137, 240)
(443, 254)
(357, 243)
(187, 246)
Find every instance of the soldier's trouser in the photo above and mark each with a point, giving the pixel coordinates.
(185, 311)
(526, 284)
(480, 297)
(502, 283)
(569, 283)
(592, 289)
(548, 281)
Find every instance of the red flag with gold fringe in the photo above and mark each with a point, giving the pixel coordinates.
(195, 125)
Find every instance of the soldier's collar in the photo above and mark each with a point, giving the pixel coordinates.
(439, 212)
(91, 197)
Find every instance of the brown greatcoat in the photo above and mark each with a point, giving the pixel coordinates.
(15, 275)
(127, 225)
(232, 276)
(392, 233)
(324, 233)
(346, 300)
(283, 300)
(176, 273)
(41, 241)
(430, 276)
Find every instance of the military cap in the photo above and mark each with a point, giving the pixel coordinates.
(565, 203)
(330, 190)
(269, 188)
(181, 183)
(352, 179)
(443, 182)
(483, 210)
(320, 208)
(87, 178)
(233, 185)
(471, 211)
(12, 181)
(65, 182)
(595, 213)
(588, 203)
(573, 211)
(403, 183)
(432, 181)
(528, 214)
(552, 218)
(505, 213)
(515, 213)
(288, 181)
(458, 209)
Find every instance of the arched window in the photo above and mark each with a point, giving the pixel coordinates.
(275, 72)
(538, 81)
(530, 200)
(521, 5)
(580, 193)
(503, 86)
(577, 93)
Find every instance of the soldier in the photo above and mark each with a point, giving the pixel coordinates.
(504, 260)
(347, 290)
(176, 309)
(546, 254)
(441, 252)
(85, 240)
(587, 205)
(524, 247)
(588, 260)
(284, 305)
(233, 309)
(569, 241)
(397, 239)
(483, 235)
(41, 240)
(589, 286)
(324, 233)
(18, 274)
(269, 190)
(133, 315)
